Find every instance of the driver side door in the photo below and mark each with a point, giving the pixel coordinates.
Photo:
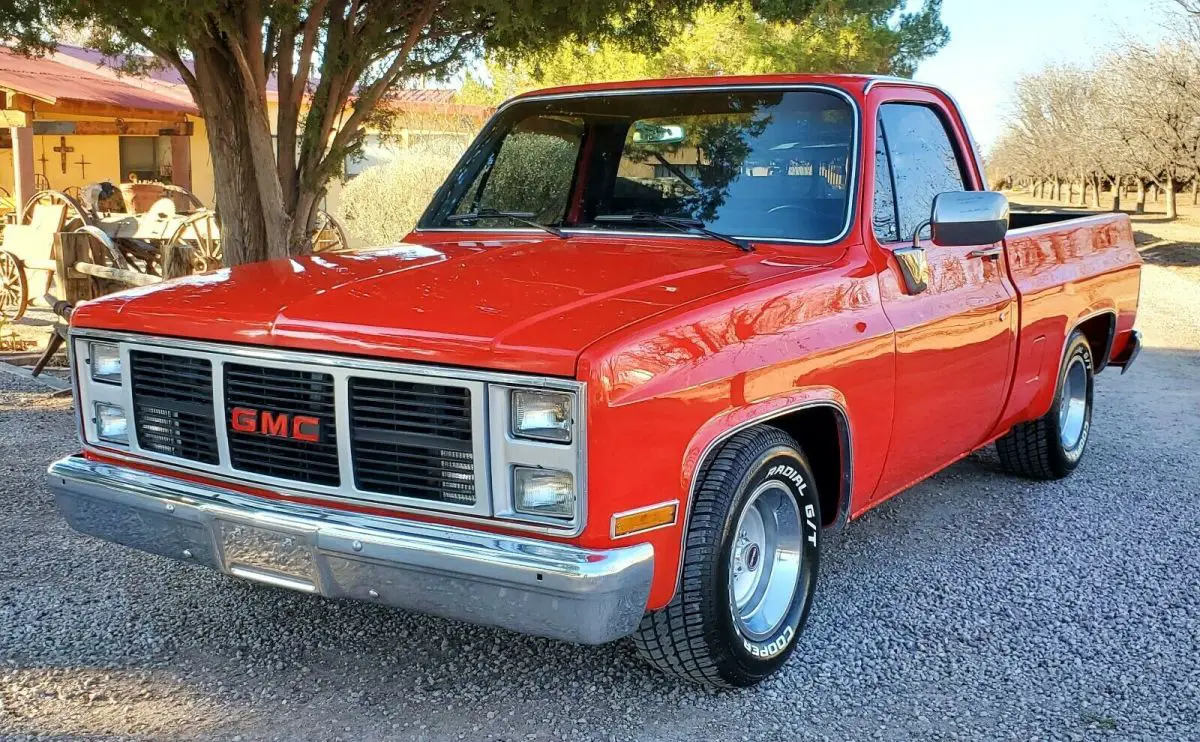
(955, 340)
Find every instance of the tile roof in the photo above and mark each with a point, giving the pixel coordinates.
(76, 73)
(56, 78)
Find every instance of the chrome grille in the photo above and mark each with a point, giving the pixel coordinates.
(172, 405)
(412, 440)
(278, 396)
(392, 433)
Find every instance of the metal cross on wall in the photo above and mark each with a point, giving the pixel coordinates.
(64, 150)
(44, 159)
(82, 163)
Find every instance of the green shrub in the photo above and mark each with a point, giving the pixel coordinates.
(381, 204)
(532, 173)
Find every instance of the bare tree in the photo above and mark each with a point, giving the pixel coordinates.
(1132, 118)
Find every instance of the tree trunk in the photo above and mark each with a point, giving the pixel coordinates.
(1140, 207)
(256, 221)
(1171, 212)
(243, 231)
(1154, 192)
(1117, 185)
(1196, 190)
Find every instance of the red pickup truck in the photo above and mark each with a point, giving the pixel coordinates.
(649, 343)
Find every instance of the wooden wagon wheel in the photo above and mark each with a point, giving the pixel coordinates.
(188, 196)
(14, 289)
(328, 234)
(77, 215)
(202, 233)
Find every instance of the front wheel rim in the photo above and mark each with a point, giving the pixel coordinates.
(1072, 414)
(765, 561)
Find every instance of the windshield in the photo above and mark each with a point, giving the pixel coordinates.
(754, 164)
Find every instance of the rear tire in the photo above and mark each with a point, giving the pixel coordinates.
(749, 567)
(1052, 446)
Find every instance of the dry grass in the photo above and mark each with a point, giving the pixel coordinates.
(381, 204)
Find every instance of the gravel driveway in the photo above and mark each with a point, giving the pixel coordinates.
(973, 606)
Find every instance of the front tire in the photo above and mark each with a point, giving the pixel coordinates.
(1052, 446)
(749, 567)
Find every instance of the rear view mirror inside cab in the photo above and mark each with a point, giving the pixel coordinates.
(645, 132)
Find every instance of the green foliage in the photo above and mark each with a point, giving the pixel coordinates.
(532, 172)
(334, 62)
(837, 36)
(382, 204)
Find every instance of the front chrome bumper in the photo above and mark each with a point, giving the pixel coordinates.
(530, 586)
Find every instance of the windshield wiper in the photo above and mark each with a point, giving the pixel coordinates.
(521, 217)
(678, 223)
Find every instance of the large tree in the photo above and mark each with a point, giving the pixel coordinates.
(332, 63)
(877, 36)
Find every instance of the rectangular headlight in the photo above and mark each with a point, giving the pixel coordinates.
(542, 416)
(543, 492)
(104, 359)
(111, 423)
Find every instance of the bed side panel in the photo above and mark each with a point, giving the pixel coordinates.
(1064, 273)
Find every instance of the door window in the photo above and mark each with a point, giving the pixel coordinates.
(883, 218)
(924, 161)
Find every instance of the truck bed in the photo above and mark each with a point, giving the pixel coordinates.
(1067, 267)
(1030, 218)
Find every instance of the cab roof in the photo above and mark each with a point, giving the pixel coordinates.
(850, 83)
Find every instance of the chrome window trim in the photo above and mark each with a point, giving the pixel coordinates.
(341, 368)
(851, 185)
(976, 155)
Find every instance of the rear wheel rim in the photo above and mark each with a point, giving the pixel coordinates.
(1072, 413)
(765, 563)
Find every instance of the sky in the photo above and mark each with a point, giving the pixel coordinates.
(993, 43)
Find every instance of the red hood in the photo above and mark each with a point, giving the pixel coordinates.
(528, 305)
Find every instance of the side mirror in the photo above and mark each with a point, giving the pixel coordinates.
(962, 218)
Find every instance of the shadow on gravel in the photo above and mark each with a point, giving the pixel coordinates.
(1170, 254)
(913, 587)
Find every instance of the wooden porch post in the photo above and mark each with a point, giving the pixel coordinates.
(22, 154)
(181, 161)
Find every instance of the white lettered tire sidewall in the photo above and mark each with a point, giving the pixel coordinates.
(1078, 348)
(782, 465)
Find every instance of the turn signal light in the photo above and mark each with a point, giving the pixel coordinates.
(643, 519)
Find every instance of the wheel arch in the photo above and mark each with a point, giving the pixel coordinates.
(1100, 329)
(818, 417)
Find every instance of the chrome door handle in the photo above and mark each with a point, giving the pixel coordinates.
(987, 253)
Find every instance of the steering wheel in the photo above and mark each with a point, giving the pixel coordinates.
(794, 207)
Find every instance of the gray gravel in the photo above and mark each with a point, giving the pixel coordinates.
(973, 607)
